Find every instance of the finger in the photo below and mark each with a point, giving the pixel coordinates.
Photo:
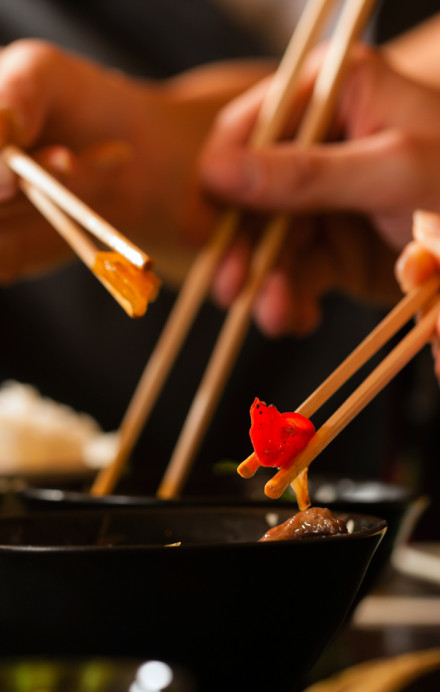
(231, 273)
(27, 86)
(40, 85)
(236, 121)
(374, 173)
(426, 230)
(289, 302)
(414, 266)
(282, 309)
(89, 172)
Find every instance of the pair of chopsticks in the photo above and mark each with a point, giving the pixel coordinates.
(424, 298)
(70, 216)
(268, 128)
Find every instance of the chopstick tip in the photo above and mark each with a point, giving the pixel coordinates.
(273, 489)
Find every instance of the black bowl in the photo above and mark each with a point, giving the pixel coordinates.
(236, 613)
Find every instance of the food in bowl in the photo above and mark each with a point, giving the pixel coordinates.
(309, 523)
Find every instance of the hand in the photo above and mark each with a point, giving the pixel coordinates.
(122, 145)
(382, 162)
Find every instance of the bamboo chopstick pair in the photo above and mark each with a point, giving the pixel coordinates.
(424, 297)
(271, 120)
(126, 273)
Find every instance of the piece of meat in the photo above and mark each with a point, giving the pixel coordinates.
(315, 521)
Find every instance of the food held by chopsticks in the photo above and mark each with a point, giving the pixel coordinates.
(292, 468)
(277, 438)
(137, 286)
(126, 271)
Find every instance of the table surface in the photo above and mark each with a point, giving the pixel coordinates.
(400, 616)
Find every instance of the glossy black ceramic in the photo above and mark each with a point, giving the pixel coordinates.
(393, 503)
(240, 615)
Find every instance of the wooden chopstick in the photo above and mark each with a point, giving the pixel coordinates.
(405, 350)
(27, 169)
(350, 24)
(197, 284)
(377, 338)
(75, 236)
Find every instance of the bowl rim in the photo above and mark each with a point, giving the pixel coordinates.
(378, 526)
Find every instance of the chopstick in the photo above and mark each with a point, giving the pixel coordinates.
(377, 338)
(405, 350)
(27, 169)
(125, 272)
(78, 240)
(350, 23)
(195, 289)
(68, 229)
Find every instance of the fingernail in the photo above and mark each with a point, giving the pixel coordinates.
(238, 174)
(227, 281)
(270, 307)
(8, 182)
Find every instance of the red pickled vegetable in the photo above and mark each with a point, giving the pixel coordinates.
(278, 437)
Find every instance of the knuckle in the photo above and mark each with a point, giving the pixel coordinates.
(406, 150)
(305, 172)
(30, 51)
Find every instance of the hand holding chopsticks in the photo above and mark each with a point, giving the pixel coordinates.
(351, 22)
(271, 119)
(126, 273)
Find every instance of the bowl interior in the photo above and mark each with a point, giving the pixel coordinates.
(158, 526)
